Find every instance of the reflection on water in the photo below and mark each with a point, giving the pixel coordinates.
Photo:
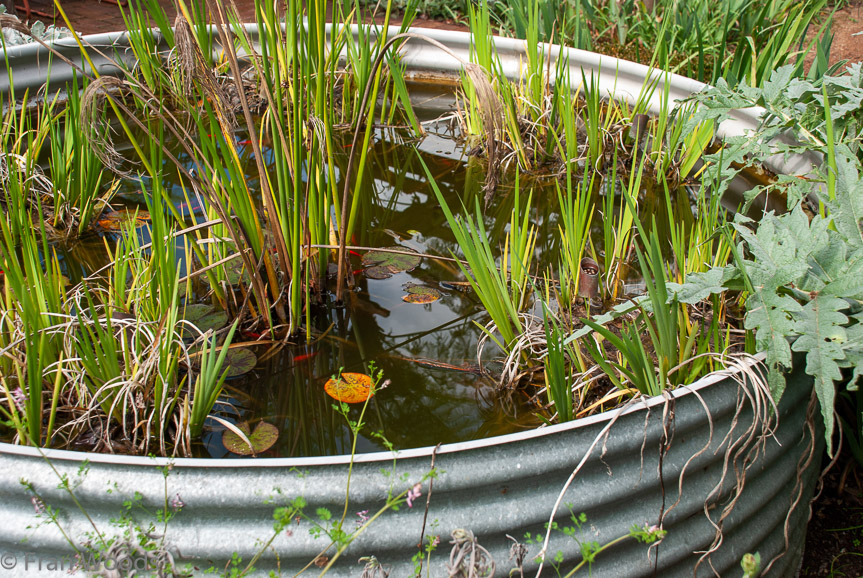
(423, 405)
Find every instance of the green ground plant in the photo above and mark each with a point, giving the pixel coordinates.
(798, 269)
(591, 549)
(733, 39)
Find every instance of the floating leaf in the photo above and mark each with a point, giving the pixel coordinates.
(386, 263)
(419, 298)
(239, 361)
(421, 294)
(204, 317)
(113, 221)
(262, 439)
(377, 272)
(351, 388)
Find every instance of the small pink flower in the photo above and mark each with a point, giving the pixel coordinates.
(19, 398)
(289, 533)
(363, 516)
(176, 503)
(38, 506)
(413, 494)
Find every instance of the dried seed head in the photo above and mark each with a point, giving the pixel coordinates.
(93, 119)
(487, 99)
(491, 112)
(188, 60)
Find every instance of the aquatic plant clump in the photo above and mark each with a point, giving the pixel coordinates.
(239, 230)
(249, 250)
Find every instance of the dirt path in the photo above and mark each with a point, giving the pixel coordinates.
(93, 16)
(847, 22)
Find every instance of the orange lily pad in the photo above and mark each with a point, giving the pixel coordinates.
(351, 388)
(421, 294)
(419, 298)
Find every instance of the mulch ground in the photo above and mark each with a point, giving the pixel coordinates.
(848, 21)
(834, 541)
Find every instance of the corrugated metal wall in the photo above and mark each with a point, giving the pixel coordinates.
(493, 487)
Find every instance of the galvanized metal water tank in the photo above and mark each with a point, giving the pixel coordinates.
(661, 461)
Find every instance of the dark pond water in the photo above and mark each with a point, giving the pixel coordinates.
(423, 404)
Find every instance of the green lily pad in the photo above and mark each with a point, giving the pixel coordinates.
(383, 264)
(377, 272)
(239, 361)
(263, 438)
(204, 317)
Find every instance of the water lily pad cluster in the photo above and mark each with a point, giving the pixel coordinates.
(382, 264)
(239, 360)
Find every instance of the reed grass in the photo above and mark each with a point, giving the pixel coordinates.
(700, 39)
(209, 381)
(115, 346)
(81, 190)
(501, 289)
(33, 295)
(576, 214)
(558, 373)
